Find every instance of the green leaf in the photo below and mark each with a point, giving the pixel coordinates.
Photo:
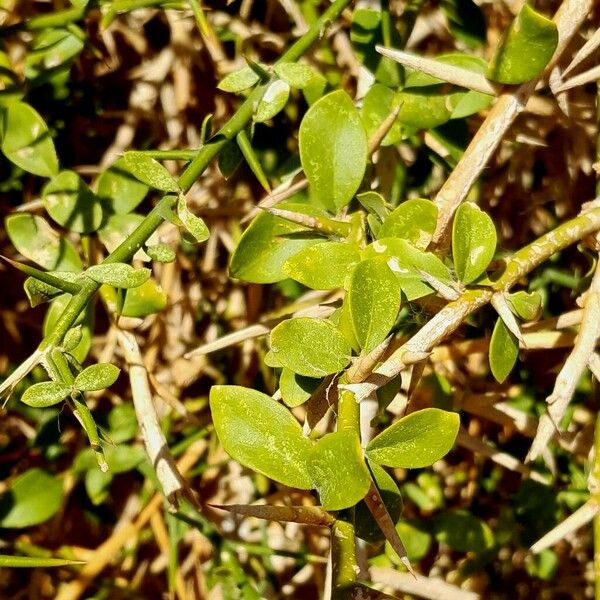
(120, 189)
(525, 49)
(146, 299)
(338, 470)
(12, 562)
(407, 263)
(424, 108)
(261, 434)
(526, 305)
(268, 243)
(72, 338)
(473, 242)
(463, 532)
(47, 393)
(117, 228)
(194, 225)
(374, 296)
(377, 105)
(39, 292)
(51, 49)
(466, 21)
(375, 205)
(415, 540)
(119, 275)
(333, 149)
(149, 171)
(26, 140)
(34, 239)
(504, 351)
(32, 498)
(310, 347)
(414, 220)
(252, 161)
(230, 158)
(238, 81)
(365, 33)
(97, 485)
(273, 101)
(296, 389)
(53, 314)
(323, 266)
(417, 440)
(162, 253)
(96, 377)
(122, 423)
(296, 75)
(70, 203)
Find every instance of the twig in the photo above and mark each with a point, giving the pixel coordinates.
(171, 480)
(445, 72)
(586, 77)
(571, 371)
(586, 50)
(502, 115)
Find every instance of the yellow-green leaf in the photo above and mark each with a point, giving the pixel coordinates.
(414, 220)
(504, 351)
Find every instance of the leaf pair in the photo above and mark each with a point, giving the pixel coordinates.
(263, 435)
(47, 393)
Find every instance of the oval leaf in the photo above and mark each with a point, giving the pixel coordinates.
(268, 243)
(118, 275)
(338, 470)
(504, 351)
(377, 105)
(149, 171)
(323, 266)
(162, 253)
(296, 75)
(120, 189)
(526, 305)
(238, 81)
(417, 440)
(273, 101)
(26, 140)
(296, 389)
(70, 203)
(261, 434)
(333, 149)
(32, 498)
(374, 295)
(310, 347)
(47, 393)
(473, 242)
(414, 220)
(194, 225)
(525, 48)
(96, 377)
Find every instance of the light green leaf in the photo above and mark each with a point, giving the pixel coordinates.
(310, 347)
(47, 393)
(273, 101)
(473, 242)
(162, 253)
(72, 338)
(417, 440)
(120, 189)
(52, 48)
(463, 532)
(96, 377)
(26, 140)
(296, 389)
(39, 292)
(34, 239)
(245, 146)
(238, 81)
(424, 108)
(416, 540)
(525, 48)
(70, 202)
(12, 562)
(296, 75)
(526, 305)
(149, 171)
(374, 295)
(146, 299)
(377, 105)
(53, 314)
(117, 228)
(119, 275)
(414, 220)
(338, 470)
(333, 149)
(375, 204)
(268, 243)
(261, 434)
(32, 498)
(504, 351)
(323, 266)
(194, 225)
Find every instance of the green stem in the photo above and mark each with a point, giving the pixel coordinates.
(343, 554)
(348, 418)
